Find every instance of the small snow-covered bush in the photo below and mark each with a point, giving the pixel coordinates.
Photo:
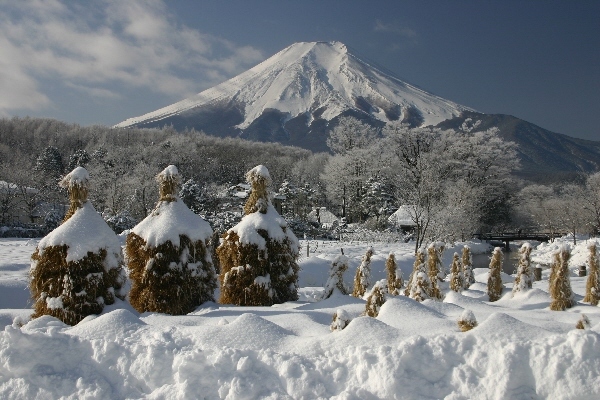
(583, 322)
(394, 276)
(419, 287)
(376, 298)
(592, 287)
(494, 284)
(435, 269)
(339, 265)
(340, 320)
(467, 265)
(467, 321)
(456, 274)
(524, 278)
(258, 255)
(169, 255)
(362, 278)
(77, 268)
(560, 283)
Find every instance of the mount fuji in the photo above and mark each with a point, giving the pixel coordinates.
(296, 95)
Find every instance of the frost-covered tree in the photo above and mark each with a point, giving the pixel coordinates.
(592, 287)
(560, 283)
(258, 255)
(419, 287)
(494, 284)
(524, 278)
(50, 162)
(340, 320)
(467, 321)
(335, 282)
(434, 268)
(456, 274)
(394, 276)
(349, 134)
(169, 255)
(591, 201)
(467, 264)
(79, 159)
(376, 298)
(77, 268)
(362, 278)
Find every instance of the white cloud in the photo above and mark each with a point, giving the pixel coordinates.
(395, 28)
(93, 45)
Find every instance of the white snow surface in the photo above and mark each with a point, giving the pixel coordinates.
(85, 232)
(168, 221)
(307, 76)
(520, 350)
(78, 176)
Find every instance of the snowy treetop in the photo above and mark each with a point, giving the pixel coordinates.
(258, 172)
(84, 232)
(169, 172)
(168, 221)
(79, 176)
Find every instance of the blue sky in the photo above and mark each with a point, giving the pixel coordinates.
(100, 62)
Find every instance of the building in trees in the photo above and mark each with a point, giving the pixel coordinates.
(494, 284)
(394, 276)
(335, 282)
(524, 278)
(560, 283)
(77, 268)
(362, 278)
(169, 255)
(467, 264)
(592, 287)
(258, 255)
(457, 282)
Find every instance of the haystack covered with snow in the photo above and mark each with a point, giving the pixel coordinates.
(258, 255)
(168, 255)
(77, 268)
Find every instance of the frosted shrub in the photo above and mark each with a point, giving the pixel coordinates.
(419, 287)
(494, 284)
(362, 278)
(467, 321)
(524, 278)
(258, 255)
(560, 283)
(394, 276)
(376, 298)
(341, 319)
(583, 322)
(435, 269)
(592, 287)
(77, 268)
(467, 265)
(169, 255)
(335, 282)
(456, 274)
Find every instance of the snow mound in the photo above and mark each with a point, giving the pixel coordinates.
(84, 232)
(271, 222)
(424, 320)
(503, 325)
(168, 221)
(107, 325)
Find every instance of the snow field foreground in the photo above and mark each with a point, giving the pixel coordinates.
(520, 349)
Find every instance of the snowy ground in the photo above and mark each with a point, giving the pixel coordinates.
(520, 350)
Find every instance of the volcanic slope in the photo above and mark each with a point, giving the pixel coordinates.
(295, 97)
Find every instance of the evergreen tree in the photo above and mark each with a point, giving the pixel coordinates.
(394, 276)
(592, 287)
(420, 285)
(76, 268)
(50, 162)
(524, 278)
(560, 283)
(467, 263)
(494, 285)
(79, 159)
(362, 278)
(169, 255)
(456, 274)
(258, 255)
(435, 270)
(339, 265)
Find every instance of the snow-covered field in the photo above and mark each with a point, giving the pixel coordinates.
(520, 350)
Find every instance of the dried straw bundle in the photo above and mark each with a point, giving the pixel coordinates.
(362, 278)
(394, 276)
(560, 284)
(376, 299)
(467, 263)
(434, 262)
(494, 284)
(259, 270)
(456, 275)
(339, 265)
(524, 278)
(340, 320)
(592, 287)
(173, 273)
(419, 287)
(69, 287)
(467, 321)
